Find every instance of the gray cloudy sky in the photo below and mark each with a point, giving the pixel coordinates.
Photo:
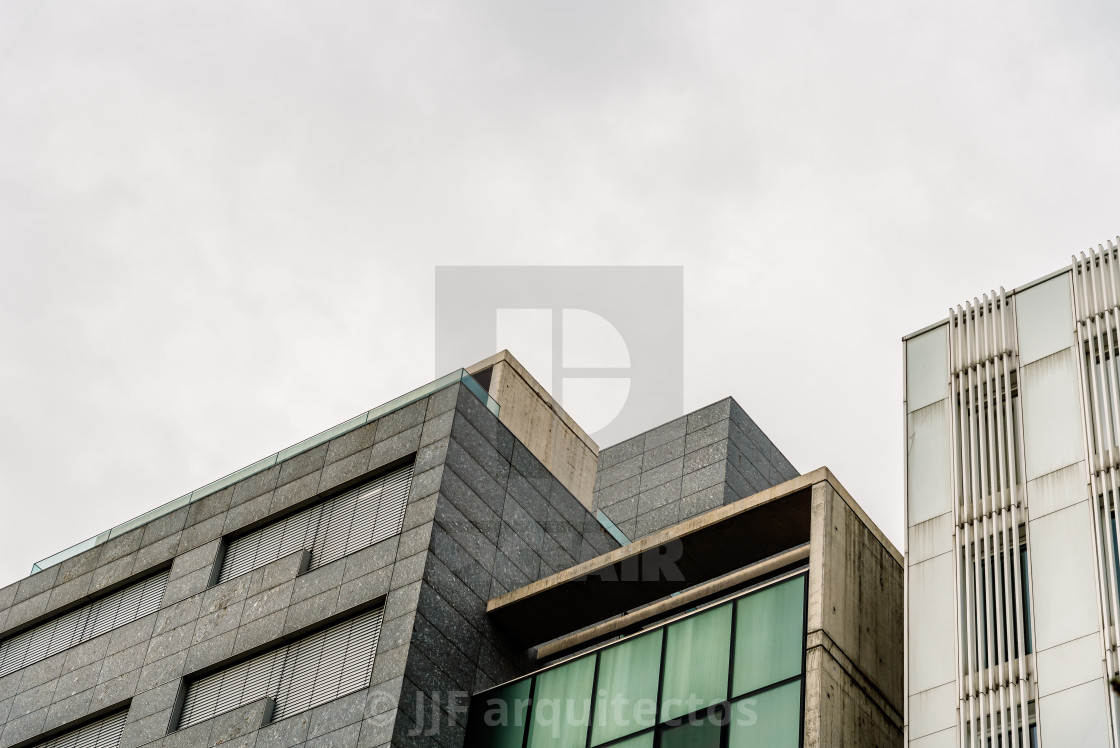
(219, 221)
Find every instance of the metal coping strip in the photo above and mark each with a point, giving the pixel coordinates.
(397, 403)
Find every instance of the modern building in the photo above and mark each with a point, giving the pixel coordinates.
(1013, 459)
(400, 579)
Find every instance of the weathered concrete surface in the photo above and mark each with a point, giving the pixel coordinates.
(529, 411)
(854, 647)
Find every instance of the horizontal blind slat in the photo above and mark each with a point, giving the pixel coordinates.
(269, 543)
(330, 530)
(300, 675)
(365, 519)
(81, 625)
(358, 666)
(230, 688)
(331, 662)
(334, 529)
(104, 733)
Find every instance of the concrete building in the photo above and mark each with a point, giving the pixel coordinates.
(357, 589)
(1012, 457)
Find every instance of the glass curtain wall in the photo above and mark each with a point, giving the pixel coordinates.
(728, 676)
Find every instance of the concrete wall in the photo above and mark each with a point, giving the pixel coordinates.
(708, 458)
(483, 516)
(535, 418)
(854, 635)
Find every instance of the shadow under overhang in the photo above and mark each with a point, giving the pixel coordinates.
(690, 553)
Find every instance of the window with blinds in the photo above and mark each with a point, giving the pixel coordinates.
(110, 612)
(298, 676)
(330, 530)
(104, 733)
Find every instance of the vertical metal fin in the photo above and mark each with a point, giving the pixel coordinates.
(1096, 308)
(995, 688)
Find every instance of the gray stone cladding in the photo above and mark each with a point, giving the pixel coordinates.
(707, 458)
(483, 517)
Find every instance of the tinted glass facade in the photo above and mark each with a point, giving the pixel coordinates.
(732, 671)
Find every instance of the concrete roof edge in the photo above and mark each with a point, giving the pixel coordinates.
(827, 474)
(538, 388)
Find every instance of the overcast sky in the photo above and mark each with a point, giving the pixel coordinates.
(219, 222)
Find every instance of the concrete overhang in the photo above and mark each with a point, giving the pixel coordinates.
(690, 553)
(701, 549)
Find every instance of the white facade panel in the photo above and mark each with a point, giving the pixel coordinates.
(1044, 314)
(930, 538)
(929, 492)
(1057, 490)
(943, 739)
(1070, 664)
(1063, 577)
(1051, 414)
(927, 368)
(933, 711)
(931, 658)
(1075, 717)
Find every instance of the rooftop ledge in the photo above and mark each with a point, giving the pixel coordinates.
(397, 403)
(702, 548)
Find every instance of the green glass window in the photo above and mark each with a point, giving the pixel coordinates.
(716, 672)
(497, 719)
(626, 695)
(698, 733)
(643, 740)
(696, 662)
(769, 636)
(771, 719)
(561, 705)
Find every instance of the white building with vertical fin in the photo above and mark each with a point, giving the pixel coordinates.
(1012, 417)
